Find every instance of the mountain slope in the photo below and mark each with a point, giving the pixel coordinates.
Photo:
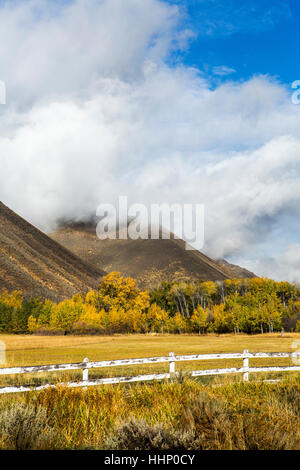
(236, 270)
(149, 261)
(36, 264)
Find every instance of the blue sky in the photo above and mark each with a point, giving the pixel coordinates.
(249, 36)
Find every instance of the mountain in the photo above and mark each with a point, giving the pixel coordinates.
(149, 261)
(34, 263)
(236, 270)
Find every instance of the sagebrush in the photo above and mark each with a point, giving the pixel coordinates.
(183, 414)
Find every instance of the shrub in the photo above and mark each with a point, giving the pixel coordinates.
(256, 431)
(24, 427)
(217, 427)
(210, 421)
(181, 377)
(291, 396)
(44, 331)
(139, 435)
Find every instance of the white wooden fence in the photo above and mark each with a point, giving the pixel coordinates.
(171, 359)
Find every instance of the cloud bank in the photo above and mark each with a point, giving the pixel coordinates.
(96, 108)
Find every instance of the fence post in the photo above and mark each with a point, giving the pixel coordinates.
(85, 372)
(172, 363)
(246, 365)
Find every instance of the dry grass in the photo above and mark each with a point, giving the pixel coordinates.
(30, 349)
(230, 416)
(254, 415)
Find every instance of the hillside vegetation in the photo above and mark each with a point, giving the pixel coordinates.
(32, 262)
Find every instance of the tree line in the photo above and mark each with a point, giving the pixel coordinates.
(251, 306)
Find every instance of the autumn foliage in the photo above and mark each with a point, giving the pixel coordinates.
(118, 306)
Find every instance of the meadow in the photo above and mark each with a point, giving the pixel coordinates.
(27, 350)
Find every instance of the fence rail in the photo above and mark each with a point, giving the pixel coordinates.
(171, 359)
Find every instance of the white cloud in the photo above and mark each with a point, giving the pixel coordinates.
(223, 70)
(48, 48)
(284, 265)
(95, 112)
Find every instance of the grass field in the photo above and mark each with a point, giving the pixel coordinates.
(25, 350)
